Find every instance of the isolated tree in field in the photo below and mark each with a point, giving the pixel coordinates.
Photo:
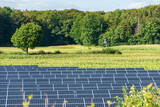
(27, 36)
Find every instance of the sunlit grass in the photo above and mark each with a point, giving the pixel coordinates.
(133, 56)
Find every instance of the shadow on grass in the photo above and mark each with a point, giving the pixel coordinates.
(103, 51)
(41, 52)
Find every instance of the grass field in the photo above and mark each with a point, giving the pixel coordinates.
(139, 56)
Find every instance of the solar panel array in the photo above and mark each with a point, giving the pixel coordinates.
(77, 86)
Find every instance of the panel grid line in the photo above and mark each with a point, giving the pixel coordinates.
(77, 85)
(109, 93)
(103, 102)
(7, 95)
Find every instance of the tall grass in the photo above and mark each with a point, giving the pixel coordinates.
(139, 56)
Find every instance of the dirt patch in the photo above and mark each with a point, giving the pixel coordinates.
(36, 50)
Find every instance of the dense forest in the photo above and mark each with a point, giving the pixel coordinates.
(132, 26)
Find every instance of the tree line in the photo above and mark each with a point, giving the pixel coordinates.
(119, 27)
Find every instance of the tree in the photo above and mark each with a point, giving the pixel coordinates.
(93, 25)
(151, 32)
(108, 36)
(27, 36)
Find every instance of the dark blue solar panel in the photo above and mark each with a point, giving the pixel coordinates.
(108, 80)
(76, 85)
(66, 96)
(74, 105)
(37, 101)
(83, 92)
(72, 76)
(84, 96)
(60, 88)
(100, 91)
(2, 102)
(76, 88)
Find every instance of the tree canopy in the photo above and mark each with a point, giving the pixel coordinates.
(27, 36)
(132, 26)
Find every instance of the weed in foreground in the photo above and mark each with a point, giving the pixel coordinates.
(147, 97)
(25, 102)
(43, 52)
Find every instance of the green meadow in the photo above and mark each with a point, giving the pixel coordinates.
(133, 56)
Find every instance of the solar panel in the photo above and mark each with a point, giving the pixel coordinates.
(76, 85)
(76, 88)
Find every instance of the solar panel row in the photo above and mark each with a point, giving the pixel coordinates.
(76, 85)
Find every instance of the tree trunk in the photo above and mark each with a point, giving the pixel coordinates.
(26, 50)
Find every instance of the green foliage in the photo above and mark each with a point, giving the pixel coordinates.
(132, 26)
(106, 51)
(43, 52)
(151, 33)
(1, 52)
(86, 30)
(27, 36)
(57, 52)
(147, 97)
(111, 51)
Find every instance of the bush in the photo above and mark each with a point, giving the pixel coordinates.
(147, 97)
(1, 52)
(110, 51)
(106, 51)
(57, 52)
(41, 52)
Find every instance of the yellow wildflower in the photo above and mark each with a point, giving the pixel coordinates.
(30, 97)
(149, 86)
(26, 104)
(146, 104)
(132, 88)
(93, 105)
(139, 103)
(109, 102)
(158, 90)
(66, 101)
(144, 88)
(148, 95)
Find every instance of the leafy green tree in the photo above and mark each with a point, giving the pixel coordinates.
(93, 25)
(72, 26)
(151, 33)
(6, 26)
(108, 36)
(27, 36)
(86, 30)
(75, 32)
